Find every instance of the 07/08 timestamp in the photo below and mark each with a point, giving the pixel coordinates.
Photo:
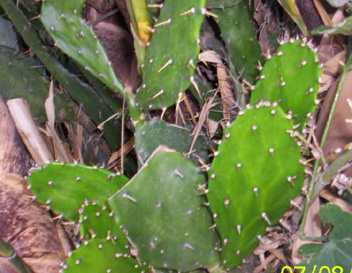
(315, 269)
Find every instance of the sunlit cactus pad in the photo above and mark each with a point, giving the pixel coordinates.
(63, 20)
(157, 132)
(172, 54)
(253, 178)
(101, 256)
(291, 78)
(64, 187)
(163, 213)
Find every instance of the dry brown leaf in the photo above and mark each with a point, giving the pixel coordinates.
(340, 133)
(225, 85)
(60, 151)
(323, 14)
(23, 223)
(12, 157)
(345, 206)
(27, 227)
(30, 135)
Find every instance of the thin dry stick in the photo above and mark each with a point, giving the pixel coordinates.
(28, 131)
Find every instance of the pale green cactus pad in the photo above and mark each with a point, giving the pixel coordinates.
(101, 256)
(162, 211)
(157, 132)
(172, 54)
(63, 20)
(64, 187)
(291, 78)
(239, 34)
(254, 176)
(98, 221)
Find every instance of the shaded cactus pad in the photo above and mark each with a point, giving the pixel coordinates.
(64, 187)
(63, 20)
(291, 78)
(162, 212)
(239, 34)
(253, 178)
(157, 132)
(172, 54)
(101, 256)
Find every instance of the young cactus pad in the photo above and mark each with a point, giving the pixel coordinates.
(157, 132)
(291, 78)
(62, 19)
(237, 30)
(98, 221)
(172, 54)
(101, 256)
(163, 213)
(253, 178)
(64, 187)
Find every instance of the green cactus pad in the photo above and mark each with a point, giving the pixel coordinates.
(253, 178)
(239, 34)
(62, 19)
(162, 212)
(172, 54)
(291, 78)
(157, 132)
(64, 187)
(101, 256)
(97, 221)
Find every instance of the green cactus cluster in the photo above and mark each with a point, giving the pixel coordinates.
(180, 212)
(168, 212)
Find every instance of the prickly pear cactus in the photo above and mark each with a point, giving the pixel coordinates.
(97, 221)
(157, 132)
(101, 256)
(63, 20)
(164, 216)
(172, 54)
(64, 187)
(291, 78)
(237, 30)
(255, 174)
